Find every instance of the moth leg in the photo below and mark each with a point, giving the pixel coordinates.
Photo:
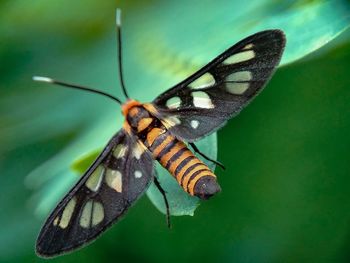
(161, 190)
(196, 150)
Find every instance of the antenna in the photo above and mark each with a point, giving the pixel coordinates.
(118, 21)
(68, 85)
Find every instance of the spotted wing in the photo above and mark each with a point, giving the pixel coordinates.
(113, 182)
(203, 102)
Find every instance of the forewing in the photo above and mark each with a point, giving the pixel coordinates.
(113, 182)
(203, 102)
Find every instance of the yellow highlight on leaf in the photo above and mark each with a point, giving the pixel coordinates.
(82, 164)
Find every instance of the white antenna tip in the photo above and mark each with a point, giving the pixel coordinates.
(42, 79)
(118, 17)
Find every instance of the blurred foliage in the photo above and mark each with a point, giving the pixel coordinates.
(285, 191)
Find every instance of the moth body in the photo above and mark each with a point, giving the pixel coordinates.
(192, 174)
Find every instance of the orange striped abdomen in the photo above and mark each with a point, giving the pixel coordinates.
(190, 172)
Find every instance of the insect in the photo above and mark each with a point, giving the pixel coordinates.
(192, 109)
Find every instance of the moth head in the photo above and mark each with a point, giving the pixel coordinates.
(128, 105)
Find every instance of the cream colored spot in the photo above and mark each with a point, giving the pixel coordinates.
(206, 80)
(67, 213)
(137, 151)
(119, 151)
(114, 180)
(55, 222)
(240, 76)
(171, 121)
(98, 213)
(138, 174)
(173, 102)
(194, 124)
(249, 46)
(202, 100)
(95, 179)
(237, 88)
(85, 217)
(240, 57)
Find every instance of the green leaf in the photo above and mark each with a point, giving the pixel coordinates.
(82, 164)
(309, 25)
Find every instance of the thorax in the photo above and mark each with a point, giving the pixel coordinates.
(141, 123)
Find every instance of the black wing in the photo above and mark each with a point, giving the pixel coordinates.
(114, 181)
(203, 102)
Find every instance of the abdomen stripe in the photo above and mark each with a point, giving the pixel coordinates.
(187, 168)
(171, 145)
(162, 145)
(195, 174)
(175, 157)
(179, 160)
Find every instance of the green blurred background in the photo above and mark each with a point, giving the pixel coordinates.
(285, 194)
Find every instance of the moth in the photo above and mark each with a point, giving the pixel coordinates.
(156, 131)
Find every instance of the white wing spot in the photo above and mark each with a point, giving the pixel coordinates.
(194, 124)
(173, 102)
(138, 174)
(206, 80)
(98, 213)
(237, 88)
(55, 222)
(67, 213)
(172, 121)
(240, 76)
(114, 180)
(95, 179)
(85, 217)
(249, 46)
(119, 151)
(202, 100)
(240, 57)
(137, 151)
(93, 213)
